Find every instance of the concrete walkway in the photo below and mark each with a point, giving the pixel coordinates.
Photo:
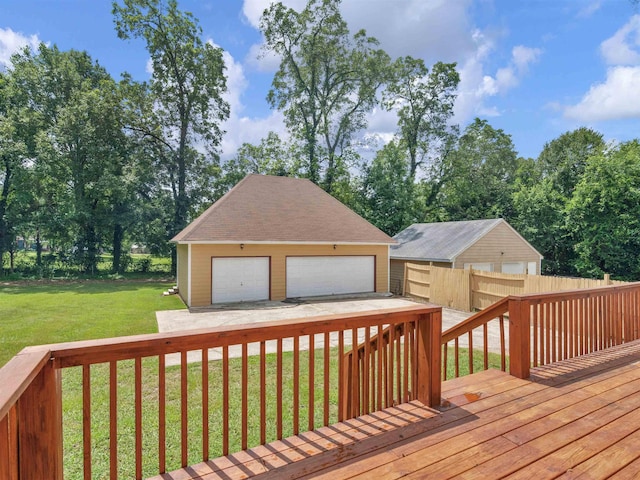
(256, 312)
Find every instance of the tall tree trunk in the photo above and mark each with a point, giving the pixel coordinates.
(118, 236)
(38, 248)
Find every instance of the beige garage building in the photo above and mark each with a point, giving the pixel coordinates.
(275, 238)
(491, 245)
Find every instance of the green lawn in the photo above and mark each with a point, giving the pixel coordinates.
(39, 313)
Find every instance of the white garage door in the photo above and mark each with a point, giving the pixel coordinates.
(514, 267)
(309, 276)
(239, 279)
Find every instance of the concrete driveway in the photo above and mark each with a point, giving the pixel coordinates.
(255, 312)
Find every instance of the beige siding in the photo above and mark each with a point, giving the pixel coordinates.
(500, 245)
(183, 271)
(201, 256)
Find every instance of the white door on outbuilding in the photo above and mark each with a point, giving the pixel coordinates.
(332, 275)
(239, 279)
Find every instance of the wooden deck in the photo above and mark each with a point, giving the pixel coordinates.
(575, 419)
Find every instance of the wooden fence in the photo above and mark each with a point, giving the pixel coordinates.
(471, 290)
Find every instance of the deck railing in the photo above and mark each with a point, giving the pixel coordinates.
(544, 328)
(151, 403)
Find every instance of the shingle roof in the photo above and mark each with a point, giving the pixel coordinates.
(264, 208)
(439, 242)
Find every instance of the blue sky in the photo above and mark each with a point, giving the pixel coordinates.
(535, 68)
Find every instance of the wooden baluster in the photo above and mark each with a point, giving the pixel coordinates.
(279, 390)
(312, 381)
(503, 353)
(355, 374)
(225, 400)
(113, 419)
(391, 378)
(414, 360)
(162, 417)
(398, 399)
(470, 352)
(380, 348)
(456, 357)
(263, 392)
(342, 397)
(184, 398)
(485, 335)
(535, 344)
(548, 333)
(445, 355)
(327, 354)
(138, 416)
(245, 396)
(86, 420)
(205, 404)
(365, 370)
(406, 369)
(296, 385)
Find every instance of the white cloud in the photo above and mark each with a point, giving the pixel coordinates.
(476, 86)
(261, 60)
(617, 97)
(590, 9)
(11, 42)
(252, 9)
(623, 48)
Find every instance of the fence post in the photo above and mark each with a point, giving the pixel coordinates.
(470, 309)
(519, 338)
(607, 279)
(40, 426)
(428, 354)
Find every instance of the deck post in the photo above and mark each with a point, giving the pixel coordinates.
(428, 354)
(40, 426)
(519, 338)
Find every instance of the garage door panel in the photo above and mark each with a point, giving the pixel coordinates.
(309, 276)
(239, 279)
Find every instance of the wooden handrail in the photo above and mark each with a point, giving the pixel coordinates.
(548, 327)
(18, 374)
(480, 318)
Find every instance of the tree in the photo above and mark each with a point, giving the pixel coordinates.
(270, 157)
(424, 102)
(540, 201)
(603, 215)
(186, 89)
(482, 170)
(390, 199)
(12, 168)
(564, 159)
(326, 83)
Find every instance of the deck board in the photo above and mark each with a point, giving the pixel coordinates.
(575, 419)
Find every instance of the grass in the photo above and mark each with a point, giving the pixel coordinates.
(63, 311)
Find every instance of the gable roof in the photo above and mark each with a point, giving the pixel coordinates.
(262, 208)
(442, 241)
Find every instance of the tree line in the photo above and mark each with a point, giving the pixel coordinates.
(90, 163)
